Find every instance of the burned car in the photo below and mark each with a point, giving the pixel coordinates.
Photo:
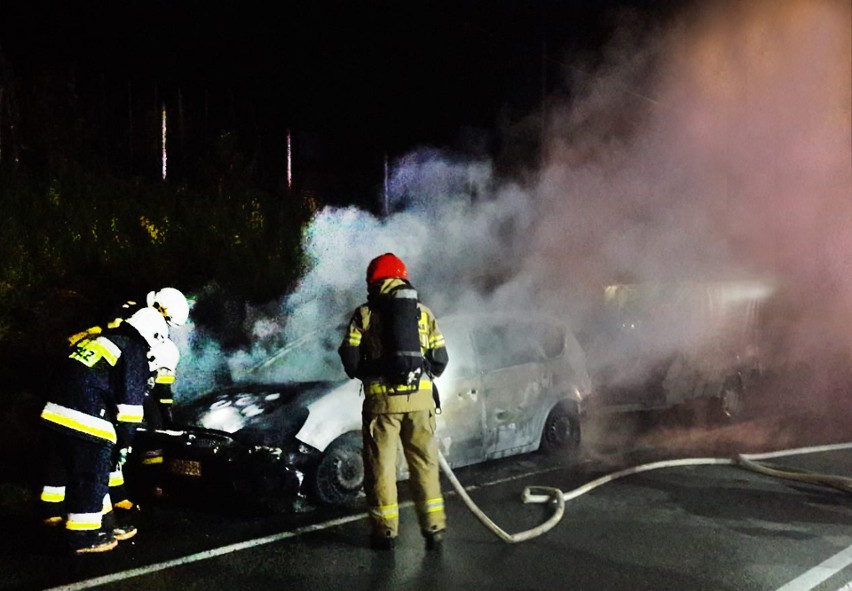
(239, 459)
(661, 345)
(514, 385)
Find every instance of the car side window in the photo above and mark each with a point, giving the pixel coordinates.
(505, 346)
(462, 359)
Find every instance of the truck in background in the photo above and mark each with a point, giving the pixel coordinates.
(654, 346)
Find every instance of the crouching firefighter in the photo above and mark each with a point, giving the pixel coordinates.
(174, 307)
(95, 406)
(393, 345)
(162, 363)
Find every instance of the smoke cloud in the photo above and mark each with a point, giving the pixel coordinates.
(718, 148)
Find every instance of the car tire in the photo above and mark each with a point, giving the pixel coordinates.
(561, 431)
(339, 475)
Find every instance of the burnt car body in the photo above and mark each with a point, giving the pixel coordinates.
(661, 345)
(514, 384)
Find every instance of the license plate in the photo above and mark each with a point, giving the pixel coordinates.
(185, 467)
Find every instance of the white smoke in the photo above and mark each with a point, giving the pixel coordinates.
(716, 149)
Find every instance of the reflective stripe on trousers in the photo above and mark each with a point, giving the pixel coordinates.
(52, 494)
(386, 512)
(84, 521)
(89, 521)
(116, 477)
(432, 505)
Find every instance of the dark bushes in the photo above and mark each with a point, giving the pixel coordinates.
(74, 246)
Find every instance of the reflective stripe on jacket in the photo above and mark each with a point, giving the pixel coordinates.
(380, 387)
(80, 422)
(100, 387)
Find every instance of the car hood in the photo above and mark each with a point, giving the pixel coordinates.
(259, 414)
(331, 415)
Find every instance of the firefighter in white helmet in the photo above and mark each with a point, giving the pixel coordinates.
(94, 407)
(173, 306)
(171, 303)
(162, 363)
(393, 345)
(158, 405)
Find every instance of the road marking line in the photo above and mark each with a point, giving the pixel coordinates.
(136, 572)
(821, 572)
(152, 568)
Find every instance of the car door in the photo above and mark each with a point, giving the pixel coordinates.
(461, 422)
(515, 376)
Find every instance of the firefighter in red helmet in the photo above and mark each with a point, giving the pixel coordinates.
(394, 346)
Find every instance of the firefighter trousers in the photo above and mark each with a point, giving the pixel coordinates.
(382, 435)
(77, 479)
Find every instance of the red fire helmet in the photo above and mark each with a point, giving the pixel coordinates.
(386, 266)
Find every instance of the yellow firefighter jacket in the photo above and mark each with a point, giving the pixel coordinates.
(361, 345)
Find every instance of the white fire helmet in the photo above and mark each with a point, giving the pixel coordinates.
(171, 303)
(164, 357)
(149, 323)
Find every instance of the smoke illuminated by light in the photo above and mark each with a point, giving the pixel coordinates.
(738, 169)
(744, 173)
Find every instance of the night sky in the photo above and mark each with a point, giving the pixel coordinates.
(353, 80)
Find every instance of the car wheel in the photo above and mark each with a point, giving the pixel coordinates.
(561, 429)
(339, 476)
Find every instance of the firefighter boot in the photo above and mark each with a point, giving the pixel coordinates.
(119, 524)
(434, 539)
(124, 531)
(380, 542)
(101, 541)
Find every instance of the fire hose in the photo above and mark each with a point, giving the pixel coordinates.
(543, 494)
(547, 493)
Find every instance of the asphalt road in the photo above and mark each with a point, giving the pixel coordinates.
(713, 527)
